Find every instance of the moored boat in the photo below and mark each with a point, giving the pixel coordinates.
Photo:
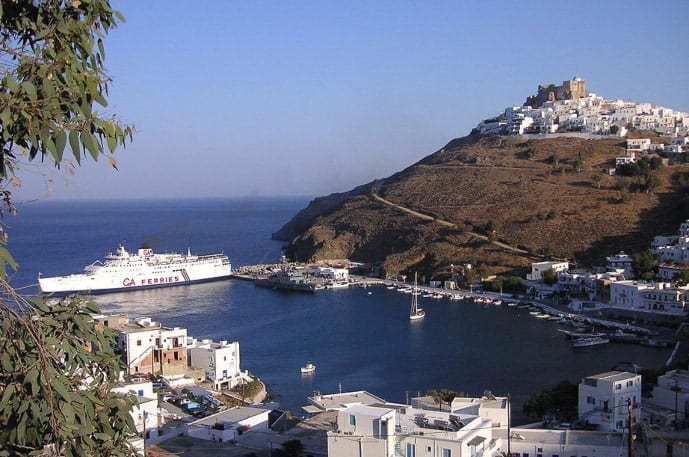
(590, 341)
(287, 279)
(415, 312)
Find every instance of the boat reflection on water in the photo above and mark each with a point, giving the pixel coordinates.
(173, 301)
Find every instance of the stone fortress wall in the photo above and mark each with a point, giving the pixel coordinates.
(569, 90)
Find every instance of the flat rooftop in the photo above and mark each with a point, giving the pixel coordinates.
(342, 400)
(613, 376)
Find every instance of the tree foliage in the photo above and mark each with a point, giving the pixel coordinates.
(549, 276)
(56, 380)
(58, 368)
(646, 264)
(560, 401)
(52, 61)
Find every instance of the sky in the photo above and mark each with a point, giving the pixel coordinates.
(307, 98)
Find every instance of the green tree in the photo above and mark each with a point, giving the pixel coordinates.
(559, 401)
(646, 265)
(579, 164)
(442, 396)
(682, 278)
(549, 276)
(58, 367)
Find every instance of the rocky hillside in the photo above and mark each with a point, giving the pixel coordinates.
(497, 203)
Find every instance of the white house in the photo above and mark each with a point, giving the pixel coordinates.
(527, 442)
(219, 361)
(621, 263)
(364, 431)
(630, 157)
(604, 399)
(495, 409)
(145, 414)
(672, 393)
(670, 271)
(638, 144)
(538, 268)
(148, 347)
(229, 424)
(336, 274)
(627, 294)
(663, 297)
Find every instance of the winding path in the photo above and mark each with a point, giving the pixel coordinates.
(426, 217)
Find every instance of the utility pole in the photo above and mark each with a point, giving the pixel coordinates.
(509, 423)
(629, 419)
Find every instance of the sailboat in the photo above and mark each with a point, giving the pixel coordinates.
(415, 312)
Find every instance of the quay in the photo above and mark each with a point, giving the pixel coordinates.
(563, 313)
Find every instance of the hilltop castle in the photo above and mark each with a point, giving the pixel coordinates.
(569, 90)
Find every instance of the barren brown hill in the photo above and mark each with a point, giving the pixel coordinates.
(497, 203)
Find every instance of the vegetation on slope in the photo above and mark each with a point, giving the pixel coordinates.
(499, 204)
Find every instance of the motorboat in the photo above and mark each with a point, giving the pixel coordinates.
(308, 368)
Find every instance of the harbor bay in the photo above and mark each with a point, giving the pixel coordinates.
(358, 340)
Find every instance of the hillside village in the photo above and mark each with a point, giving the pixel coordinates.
(615, 286)
(571, 108)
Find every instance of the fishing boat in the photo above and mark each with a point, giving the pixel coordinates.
(308, 368)
(415, 312)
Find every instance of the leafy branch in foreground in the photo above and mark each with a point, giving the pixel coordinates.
(57, 367)
(52, 62)
(58, 370)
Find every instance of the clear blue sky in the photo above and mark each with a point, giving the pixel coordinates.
(253, 98)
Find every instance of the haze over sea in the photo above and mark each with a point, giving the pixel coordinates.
(357, 341)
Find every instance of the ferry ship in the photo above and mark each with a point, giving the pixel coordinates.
(122, 271)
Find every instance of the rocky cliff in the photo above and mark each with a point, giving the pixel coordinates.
(497, 203)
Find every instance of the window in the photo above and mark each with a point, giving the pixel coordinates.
(618, 386)
(411, 450)
(591, 400)
(138, 342)
(447, 452)
(352, 420)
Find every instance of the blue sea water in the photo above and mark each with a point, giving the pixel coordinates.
(358, 341)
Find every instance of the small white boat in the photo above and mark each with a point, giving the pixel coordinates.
(308, 368)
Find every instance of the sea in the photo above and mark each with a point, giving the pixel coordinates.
(358, 338)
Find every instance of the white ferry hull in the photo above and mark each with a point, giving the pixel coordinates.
(133, 272)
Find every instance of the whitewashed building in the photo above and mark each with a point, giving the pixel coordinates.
(620, 263)
(526, 442)
(382, 431)
(218, 360)
(627, 294)
(145, 412)
(674, 249)
(672, 393)
(229, 424)
(148, 347)
(604, 399)
(538, 268)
